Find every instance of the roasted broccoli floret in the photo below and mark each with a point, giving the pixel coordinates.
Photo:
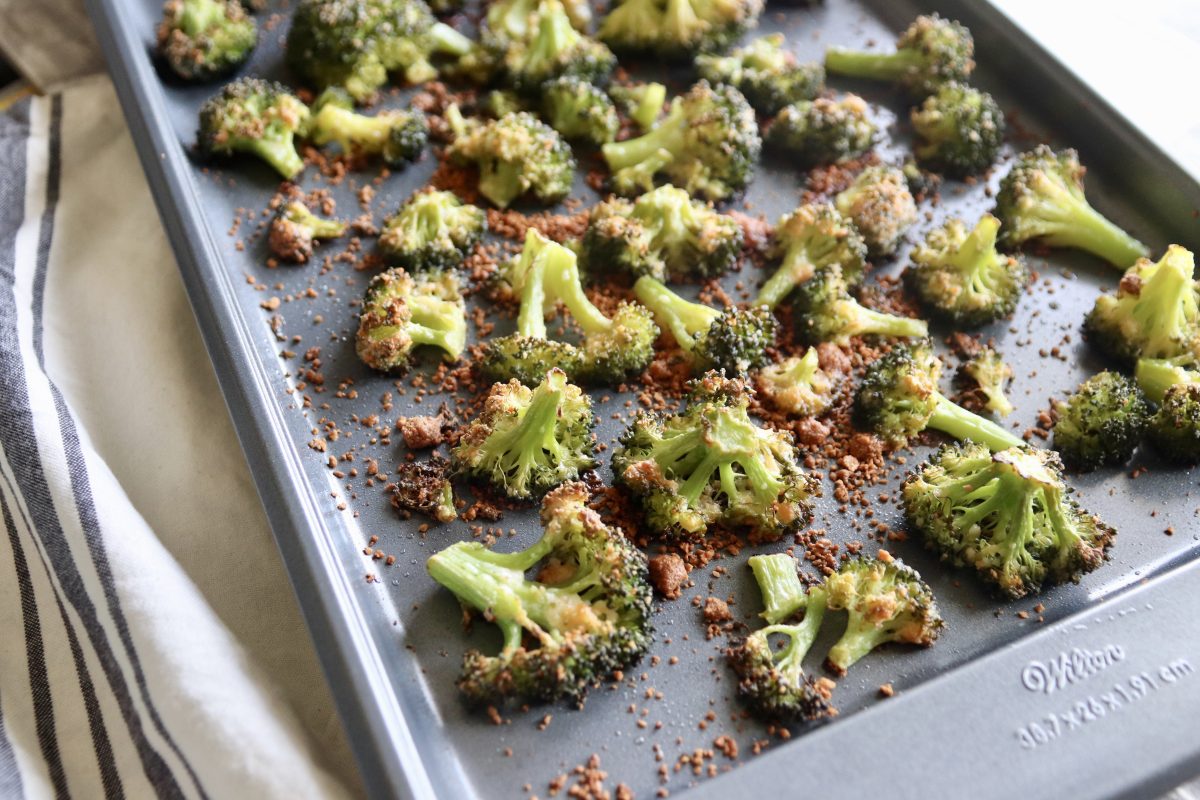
(509, 20)
(1154, 314)
(424, 486)
(733, 340)
(294, 229)
(543, 276)
(516, 155)
(354, 44)
(584, 615)
(822, 131)
(554, 49)
(432, 231)
(881, 207)
(813, 237)
(678, 29)
(960, 129)
(899, 397)
(1175, 428)
(711, 465)
(828, 313)
(254, 116)
(797, 385)
(959, 276)
(401, 311)
(990, 374)
(578, 110)
(1102, 423)
(526, 441)
(885, 601)
(707, 144)
(1008, 515)
(1156, 375)
(664, 233)
(765, 72)
(1041, 198)
(931, 52)
(396, 136)
(642, 102)
(204, 39)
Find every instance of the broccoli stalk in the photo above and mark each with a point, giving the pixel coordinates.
(797, 386)
(932, 51)
(397, 136)
(782, 593)
(254, 116)
(643, 102)
(401, 312)
(295, 228)
(829, 314)
(1156, 375)
(811, 238)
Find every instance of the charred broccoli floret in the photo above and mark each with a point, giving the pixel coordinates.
(707, 144)
(1041, 198)
(1102, 423)
(1155, 313)
(733, 340)
(881, 207)
(1008, 515)
(899, 397)
(516, 155)
(990, 374)
(767, 74)
(885, 601)
(1156, 375)
(578, 110)
(797, 385)
(554, 49)
(828, 313)
(204, 39)
(254, 116)
(642, 102)
(526, 441)
(432, 231)
(960, 130)
(583, 616)
(931, 52)
(542, 277)
(294, 229)
(401, 312)
(711, 465)
(396, 136)
(822, 131)
(678, 29)
(424, 486)
(813, 237)
(1175, 428)
(959, 276)
(354, 44)
(664, 233)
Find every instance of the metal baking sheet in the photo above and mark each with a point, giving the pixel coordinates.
(968, 712)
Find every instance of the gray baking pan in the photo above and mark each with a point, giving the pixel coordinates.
(1091, 697)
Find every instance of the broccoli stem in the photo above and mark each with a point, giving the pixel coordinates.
(562, 273)
(878, 66)
(555, 35)
(794, 270)
(863, 321)
(685, 320)
(649, 106)
(667, 136)
(500, 182)
(962, 424)
(349, 130)
(1089, 230)
(280, 153)
(860, 638)
(1156, 375)
(782, 592)
(449, 41)
(800, 637)
(531, 319)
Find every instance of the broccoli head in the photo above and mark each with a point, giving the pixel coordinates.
(822, 131)
(294, 229)
(707, 144)
(424, 486)
(432, 231)
(526, 441)
(554, 49)
(516, 155)
(354, 44)
(1008, 515)
(1041, 198)
(257, 117)
(828, 313)
(204, 39)
(734, 340)
(767, 74)
(1102, 423)
(578, 110)
(711, 465)
(797, 385)
(643, 102)
(989, 373)
(396, 136)
(513, 20)
(678, 29)
(959, 276)
(1156, 375)
(881, 206)
(1154, 314)
(583, 616)
(664, 233)
(960, 129)
(931, 52)
(812, 238)
(1175, 428)
(401, 311)
(899, 397)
